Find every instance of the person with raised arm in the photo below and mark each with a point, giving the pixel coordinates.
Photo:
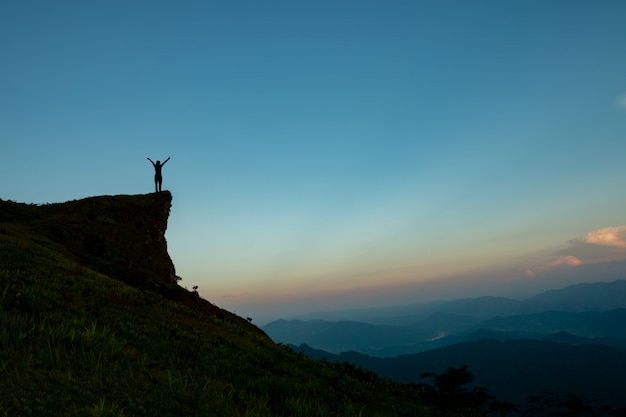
(158, 178)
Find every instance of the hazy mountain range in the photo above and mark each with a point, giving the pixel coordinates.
(595, 310)
(566, 340)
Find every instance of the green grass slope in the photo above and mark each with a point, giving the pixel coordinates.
(91, 324)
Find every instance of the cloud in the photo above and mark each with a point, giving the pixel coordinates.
(565, 261)
(561, 262)
(603, 245)
(614, 236)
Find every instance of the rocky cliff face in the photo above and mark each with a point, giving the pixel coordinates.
(120, 236)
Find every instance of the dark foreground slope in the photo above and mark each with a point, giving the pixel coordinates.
(92, 323)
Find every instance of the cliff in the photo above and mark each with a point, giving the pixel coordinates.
(120, 236)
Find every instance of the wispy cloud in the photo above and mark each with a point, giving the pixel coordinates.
(614, 236)
(564, 261)
(602, 245)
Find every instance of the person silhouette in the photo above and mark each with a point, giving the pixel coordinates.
(158, 178)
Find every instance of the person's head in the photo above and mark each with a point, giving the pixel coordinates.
(158, 162)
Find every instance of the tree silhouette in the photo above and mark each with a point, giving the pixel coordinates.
(451, 397)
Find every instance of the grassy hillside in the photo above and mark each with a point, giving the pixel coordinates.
(91, 324)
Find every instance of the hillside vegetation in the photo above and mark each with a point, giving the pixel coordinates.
(92, 323)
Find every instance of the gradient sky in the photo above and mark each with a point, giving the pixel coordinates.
(329, 154)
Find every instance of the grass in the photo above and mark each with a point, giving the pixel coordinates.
(77, 340)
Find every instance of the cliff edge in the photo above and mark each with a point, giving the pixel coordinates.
(120, 236)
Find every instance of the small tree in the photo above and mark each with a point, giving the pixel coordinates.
(451, 396)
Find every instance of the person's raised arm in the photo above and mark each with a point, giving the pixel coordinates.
(168, 158)
(153, 164)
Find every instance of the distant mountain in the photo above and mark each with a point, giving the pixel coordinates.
(482, 307)
(379, 340)
(585, 310)
(598, 296)
(511, 370)
(569, 339)
(607, 328)
(588, 324)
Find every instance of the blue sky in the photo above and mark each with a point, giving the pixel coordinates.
(331, 154)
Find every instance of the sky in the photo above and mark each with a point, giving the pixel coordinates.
(334, 154)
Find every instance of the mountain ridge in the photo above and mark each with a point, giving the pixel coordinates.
(456, 321)
(406, 314)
